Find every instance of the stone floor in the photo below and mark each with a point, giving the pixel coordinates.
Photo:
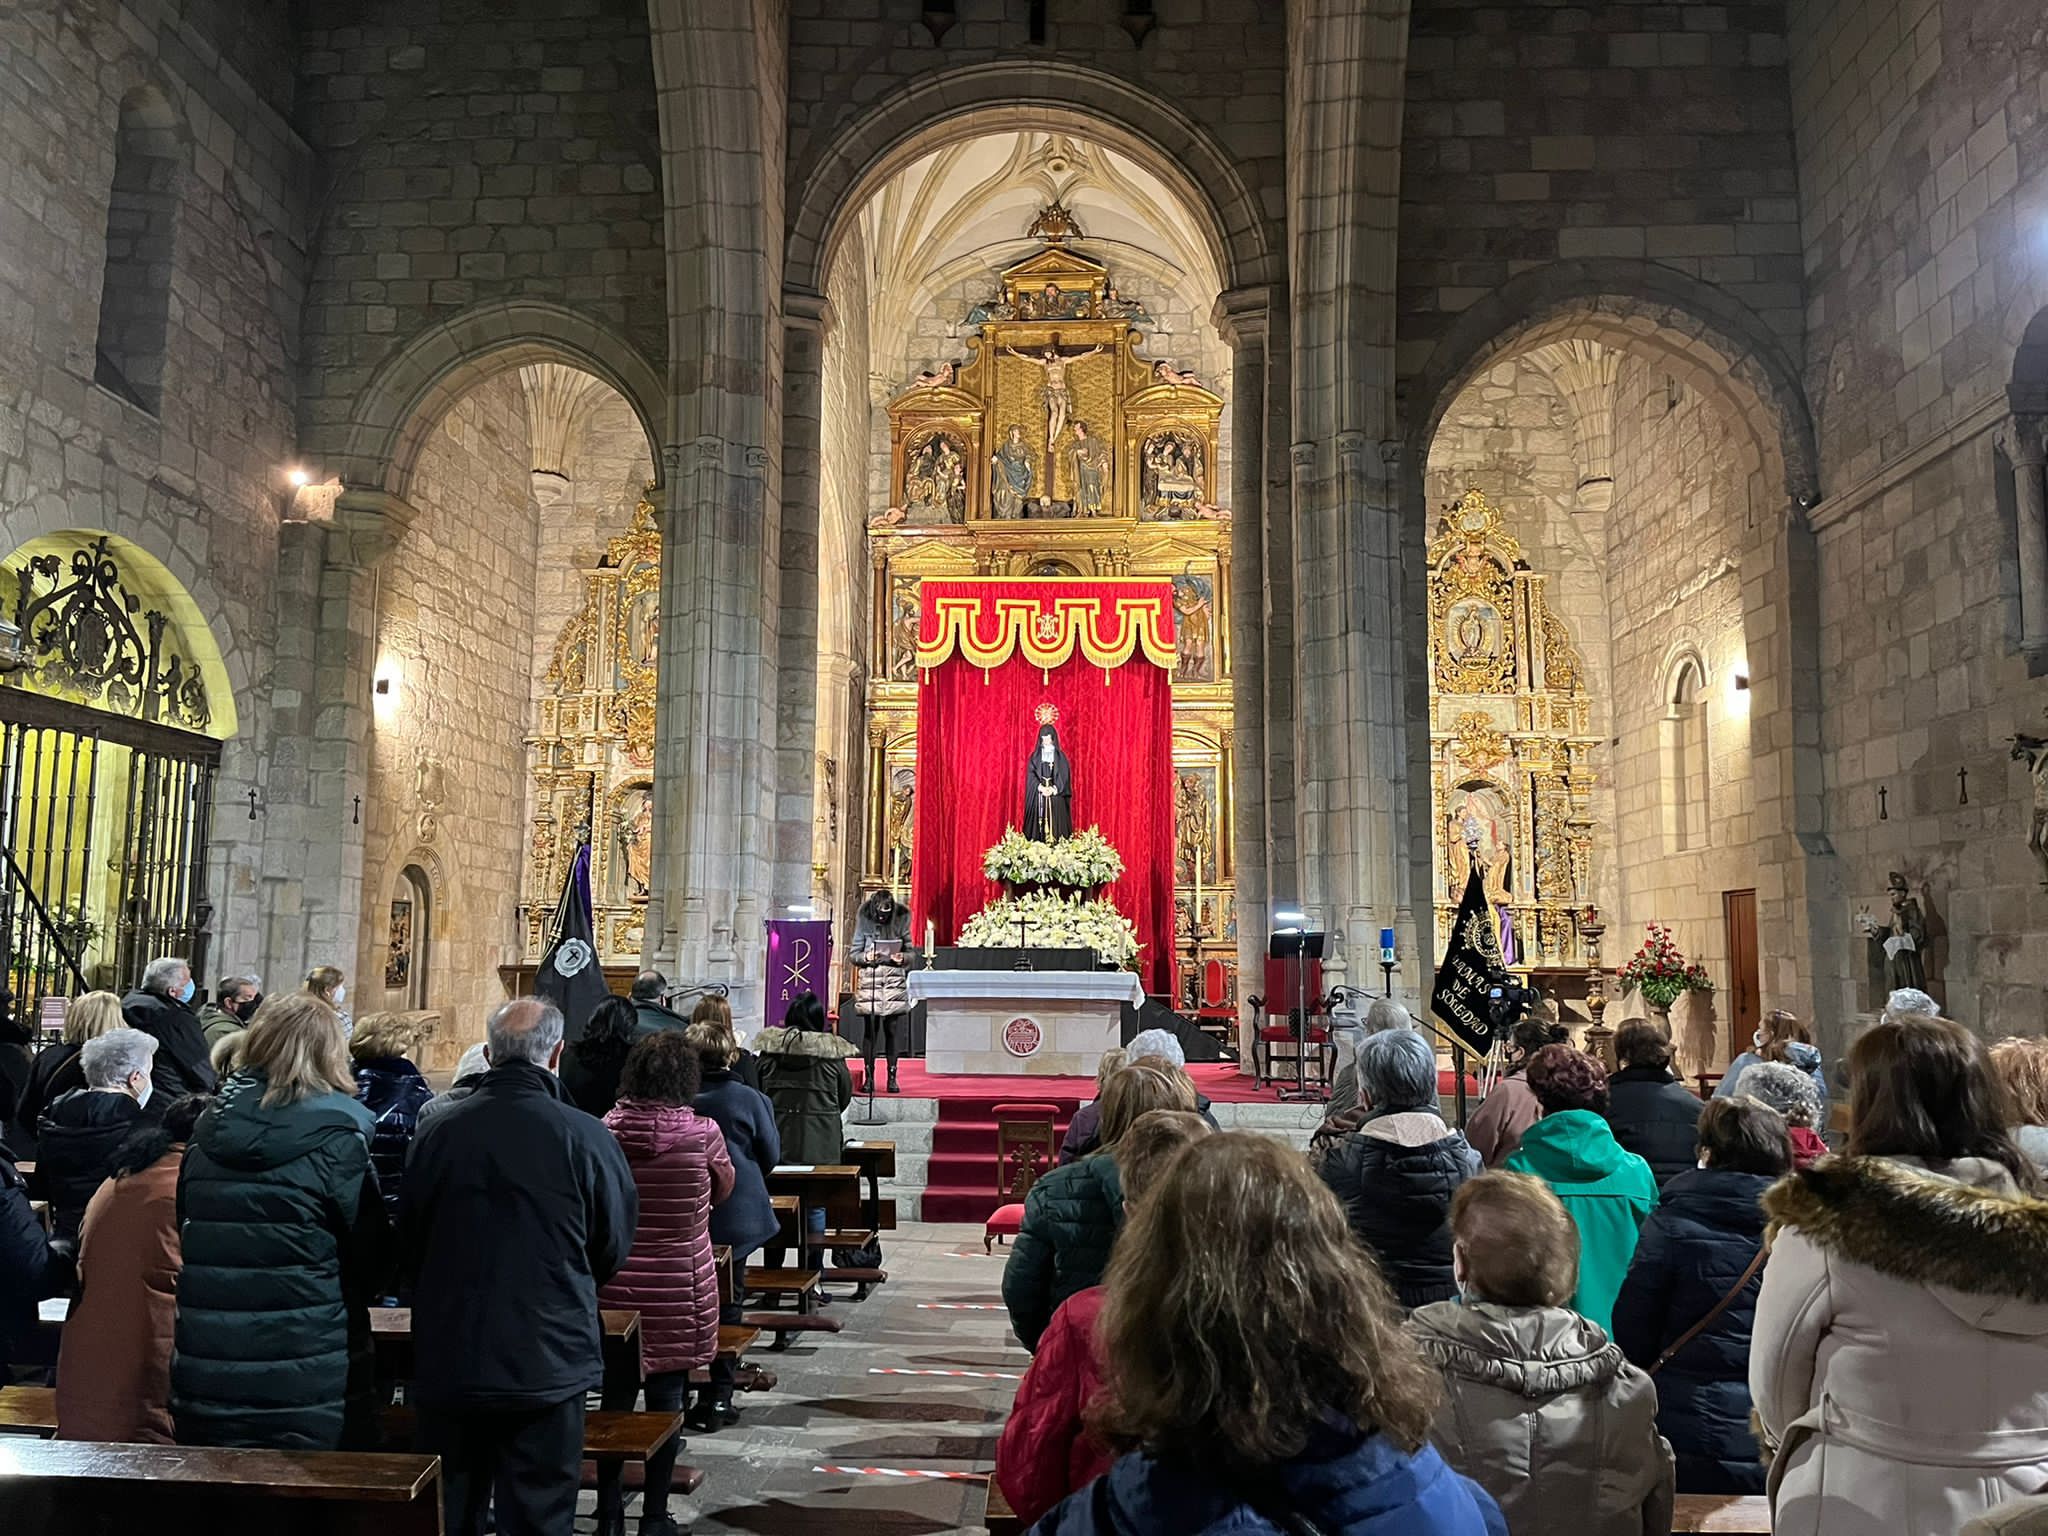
(830, 1409)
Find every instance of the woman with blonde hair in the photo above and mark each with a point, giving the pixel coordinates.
(328, 984)
(1258, 1379)
(2020, 1063)
(717, 1011)
(277, 1187)
(59, 1069)
(1084, 1131)
(1072, 1215)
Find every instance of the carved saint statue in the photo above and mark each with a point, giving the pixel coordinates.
(1057, 401)
(1010, 486)
(1193, 623)
(1905, 940)
(1048, 789)
(636, 846)
(1091, 470)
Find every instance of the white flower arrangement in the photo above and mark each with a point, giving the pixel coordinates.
(1082, 861)
(1052, 921)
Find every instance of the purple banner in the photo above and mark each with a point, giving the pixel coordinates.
(799, 961)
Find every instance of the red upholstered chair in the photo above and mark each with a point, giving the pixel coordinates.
(1006, 1223)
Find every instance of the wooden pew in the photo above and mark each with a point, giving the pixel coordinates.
(834, 1188)
(167, 1490)
(28, 1411)
(1729, 1514)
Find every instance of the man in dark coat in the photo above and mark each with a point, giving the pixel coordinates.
(162, 1006)
(517, 1206)
(81, 1131)
(1652, 1113)
(1695, 1249)
(1395, 1174)
(653, 1014)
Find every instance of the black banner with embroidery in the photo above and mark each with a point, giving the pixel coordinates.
(1471, 968)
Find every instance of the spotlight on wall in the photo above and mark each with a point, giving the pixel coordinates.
(1290, 916)
(1742, 682)
(383, 686)
(298, 477)
(800, 909)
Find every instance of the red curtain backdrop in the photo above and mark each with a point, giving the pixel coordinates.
(976, 727)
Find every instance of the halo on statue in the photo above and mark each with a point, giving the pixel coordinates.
(1046, 714)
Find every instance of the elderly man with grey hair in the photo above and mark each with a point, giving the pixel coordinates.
(1396, 1172)
(1383, 1014)
(1084, 1131)
(162, 1008)
(81, 1131)
(516, 1207)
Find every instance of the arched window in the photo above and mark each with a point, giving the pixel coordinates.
(1684, 752)
(135, 286)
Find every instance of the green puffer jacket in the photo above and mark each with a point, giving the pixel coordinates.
(804, 1074)
(284, 1242)
(1071, 1219)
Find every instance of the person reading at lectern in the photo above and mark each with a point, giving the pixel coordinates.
(1048, 790)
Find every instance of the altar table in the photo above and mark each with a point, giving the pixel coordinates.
(1022, 1023)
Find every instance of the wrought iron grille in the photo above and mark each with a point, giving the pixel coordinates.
(104, 823)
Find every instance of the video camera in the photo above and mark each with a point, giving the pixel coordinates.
(1507, 1004)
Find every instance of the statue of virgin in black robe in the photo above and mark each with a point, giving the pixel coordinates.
(1048, 790)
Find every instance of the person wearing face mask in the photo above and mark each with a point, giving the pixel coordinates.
(79, 1134)
(236, 1003)
(881, 987)
(162, 1009)
(326, 983)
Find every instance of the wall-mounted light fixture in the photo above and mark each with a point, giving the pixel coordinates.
(298, 477)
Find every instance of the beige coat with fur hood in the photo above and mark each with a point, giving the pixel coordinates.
(1544, 1413)
(1899, 1361)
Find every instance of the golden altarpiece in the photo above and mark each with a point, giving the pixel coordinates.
(1511, 748)
(593, 750)
(1058, 449)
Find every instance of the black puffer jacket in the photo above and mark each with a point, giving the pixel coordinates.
(393, 1091)
(1655, 1116)
(1395, 1176)
(29, 1268)
(1706, 1228)
(76, 1141)
(1071, 1219)
(284, 1243)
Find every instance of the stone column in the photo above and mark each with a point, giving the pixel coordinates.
(1242, 317)
(1344, 87)
(2024, 441)
(805, 321)
(720, 78)
(322, 723)
(1800, 917)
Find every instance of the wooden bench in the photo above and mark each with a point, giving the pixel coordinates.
(28, 1411)
(803, 1284)
(1730, 1514)
(175, 1490)
(391, 1338)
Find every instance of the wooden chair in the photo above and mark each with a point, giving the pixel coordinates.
(1027, 1146)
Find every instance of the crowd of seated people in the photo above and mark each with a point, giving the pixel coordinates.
(1228, 1335)
(1861, 1335)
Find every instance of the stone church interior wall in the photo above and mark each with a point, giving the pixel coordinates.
(1923, 159)
(198, 483)
(473, 154)
(455, 624)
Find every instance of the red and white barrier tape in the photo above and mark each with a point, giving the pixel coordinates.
(965, 1477)
(897, 1370)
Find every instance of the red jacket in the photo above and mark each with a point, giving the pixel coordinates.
(681, 1169)
(1044, 1453)
(1807, 1147)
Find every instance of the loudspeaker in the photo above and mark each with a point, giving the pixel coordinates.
(1153, 1014)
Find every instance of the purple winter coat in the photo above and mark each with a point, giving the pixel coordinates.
(681, 1169)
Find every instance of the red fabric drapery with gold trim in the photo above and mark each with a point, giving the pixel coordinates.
(1100, 651)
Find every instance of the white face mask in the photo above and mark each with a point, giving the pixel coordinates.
(142, 1098)
(340, 993)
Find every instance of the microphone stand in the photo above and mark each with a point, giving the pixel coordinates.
(1423, 1024)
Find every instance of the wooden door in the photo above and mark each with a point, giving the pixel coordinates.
(1738, 911)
